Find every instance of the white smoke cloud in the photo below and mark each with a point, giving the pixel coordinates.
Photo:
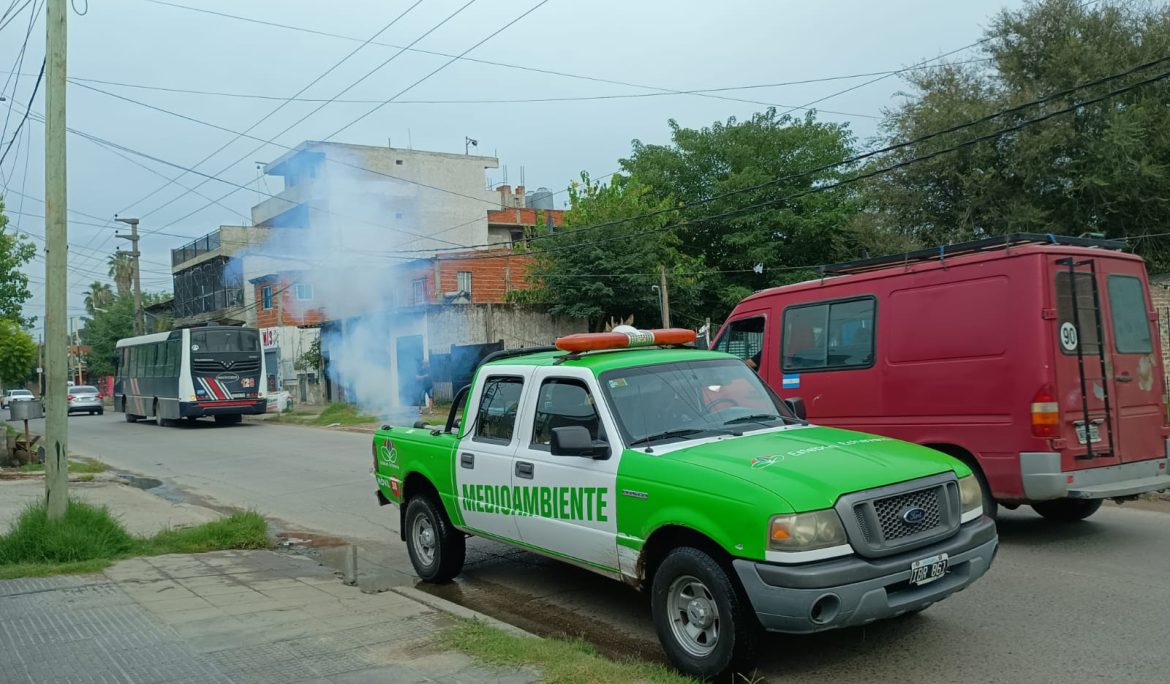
(356, 220)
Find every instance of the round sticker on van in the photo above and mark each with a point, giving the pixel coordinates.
(1068, 336)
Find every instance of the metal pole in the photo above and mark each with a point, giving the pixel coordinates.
(665, 297)
(56, 255)
(139, 323)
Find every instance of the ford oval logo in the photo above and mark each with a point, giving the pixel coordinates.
(913, 515)
(228, 377)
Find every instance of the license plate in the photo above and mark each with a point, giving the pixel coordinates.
(928, 570)
(1094, 433)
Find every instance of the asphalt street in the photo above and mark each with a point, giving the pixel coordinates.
(1080, 602)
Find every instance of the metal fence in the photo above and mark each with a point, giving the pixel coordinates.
(203, 245)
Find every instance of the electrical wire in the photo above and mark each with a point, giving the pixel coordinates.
(24, 118)
(848, 181)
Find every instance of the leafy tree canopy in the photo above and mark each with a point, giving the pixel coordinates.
(1101, 169)
(18, 353)
(15, 252)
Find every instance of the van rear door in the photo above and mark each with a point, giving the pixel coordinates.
(1136, 366)
(1108, 380)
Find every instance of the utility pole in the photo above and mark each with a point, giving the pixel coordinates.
(56, 447)
(139, 324)
(665, 297)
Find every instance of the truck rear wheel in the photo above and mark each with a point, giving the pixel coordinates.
(436, 548)
(704, 622)
(1067, 510)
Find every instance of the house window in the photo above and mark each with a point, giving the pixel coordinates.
(398, 162)
(304, 292)
(419, 289)
(463, 281)
(398, 215)
(266, 297)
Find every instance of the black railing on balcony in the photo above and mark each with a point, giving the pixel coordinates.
(203, 245)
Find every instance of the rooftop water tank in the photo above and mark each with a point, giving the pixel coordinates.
(542, 199)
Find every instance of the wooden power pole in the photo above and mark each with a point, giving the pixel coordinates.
(665, 297)
(56, 449)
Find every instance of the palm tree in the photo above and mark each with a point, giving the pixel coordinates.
(122, 271)
(98, 296)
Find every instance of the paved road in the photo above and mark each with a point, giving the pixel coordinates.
(1083, 602)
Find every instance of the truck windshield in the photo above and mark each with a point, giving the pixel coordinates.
(692, 399)
(241, 340)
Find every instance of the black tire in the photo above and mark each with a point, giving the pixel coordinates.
(231, 419)
(101, 412)
(158, 419)
(442, 560)
(131, 418)
(990, 505)
(1067, 510)
(736, 630)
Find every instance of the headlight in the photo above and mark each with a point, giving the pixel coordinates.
(970, 498)
(806, 531)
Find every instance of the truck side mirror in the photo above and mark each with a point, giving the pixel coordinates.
(796, 405)
(575, 440)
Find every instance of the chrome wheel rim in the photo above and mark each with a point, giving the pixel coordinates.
(694, 616)
(423, 535)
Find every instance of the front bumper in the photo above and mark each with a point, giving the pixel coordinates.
(1044, 480)
(844, 592)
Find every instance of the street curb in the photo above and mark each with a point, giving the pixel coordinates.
(459, 611)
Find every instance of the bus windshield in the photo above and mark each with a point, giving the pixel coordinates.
(225, 341)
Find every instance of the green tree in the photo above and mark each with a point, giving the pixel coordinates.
(15, 252)
(98, 297)
(758, 237)
(18, 353)
(122, 271)
(102, 332)
(608, 273)
(1101, 169)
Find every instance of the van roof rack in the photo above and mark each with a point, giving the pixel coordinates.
(984, 245)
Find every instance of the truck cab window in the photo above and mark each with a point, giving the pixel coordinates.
(743, 338)
(563, 402)
(498, 406)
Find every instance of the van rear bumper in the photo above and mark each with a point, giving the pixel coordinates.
(1044, 480)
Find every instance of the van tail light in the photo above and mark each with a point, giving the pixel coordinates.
(1045, 413)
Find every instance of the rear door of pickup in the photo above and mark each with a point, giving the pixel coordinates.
(484, 460)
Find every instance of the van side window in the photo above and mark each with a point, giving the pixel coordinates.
(743, 338)
(828, 336)
(563, 402)
(1086, 336)
(1127, 308)
(497, 409)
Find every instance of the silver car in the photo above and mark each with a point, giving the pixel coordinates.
(85, 399)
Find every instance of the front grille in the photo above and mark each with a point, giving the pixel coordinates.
(876, 519)
(890, 510)
(243, 366)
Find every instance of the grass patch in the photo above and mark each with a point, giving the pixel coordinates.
(343, 414)
(563, 661)
(88, 539)
(74, 467)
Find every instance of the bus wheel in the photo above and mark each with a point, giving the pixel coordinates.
(158, 419)
(1067, 510)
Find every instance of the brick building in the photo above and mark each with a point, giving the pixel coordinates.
(476, 277)
(1160, 296)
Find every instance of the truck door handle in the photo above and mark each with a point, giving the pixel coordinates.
(1124, 377)
(524, 469)
(467, 460)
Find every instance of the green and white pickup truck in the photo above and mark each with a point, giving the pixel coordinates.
(677, 470)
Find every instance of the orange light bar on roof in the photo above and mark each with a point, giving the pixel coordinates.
(620, 340)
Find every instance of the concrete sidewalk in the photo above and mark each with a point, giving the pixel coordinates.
(231, 616)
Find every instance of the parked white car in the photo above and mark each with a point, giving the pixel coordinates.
(16, 395)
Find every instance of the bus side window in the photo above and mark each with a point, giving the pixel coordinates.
(174, 358)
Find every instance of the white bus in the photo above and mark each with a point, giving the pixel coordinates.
(215, 371)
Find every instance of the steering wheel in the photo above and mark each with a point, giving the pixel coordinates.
(710, 407)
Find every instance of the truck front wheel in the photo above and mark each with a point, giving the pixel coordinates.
(705, 624)
(436, 548)
(1067, 510)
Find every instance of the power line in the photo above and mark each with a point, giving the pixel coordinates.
(848, 181)
(24, 118)
(847, 161)
(32, 19)
(319, 108)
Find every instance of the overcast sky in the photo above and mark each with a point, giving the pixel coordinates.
(672, 45)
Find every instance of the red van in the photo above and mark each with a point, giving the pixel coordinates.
(1034, 358)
